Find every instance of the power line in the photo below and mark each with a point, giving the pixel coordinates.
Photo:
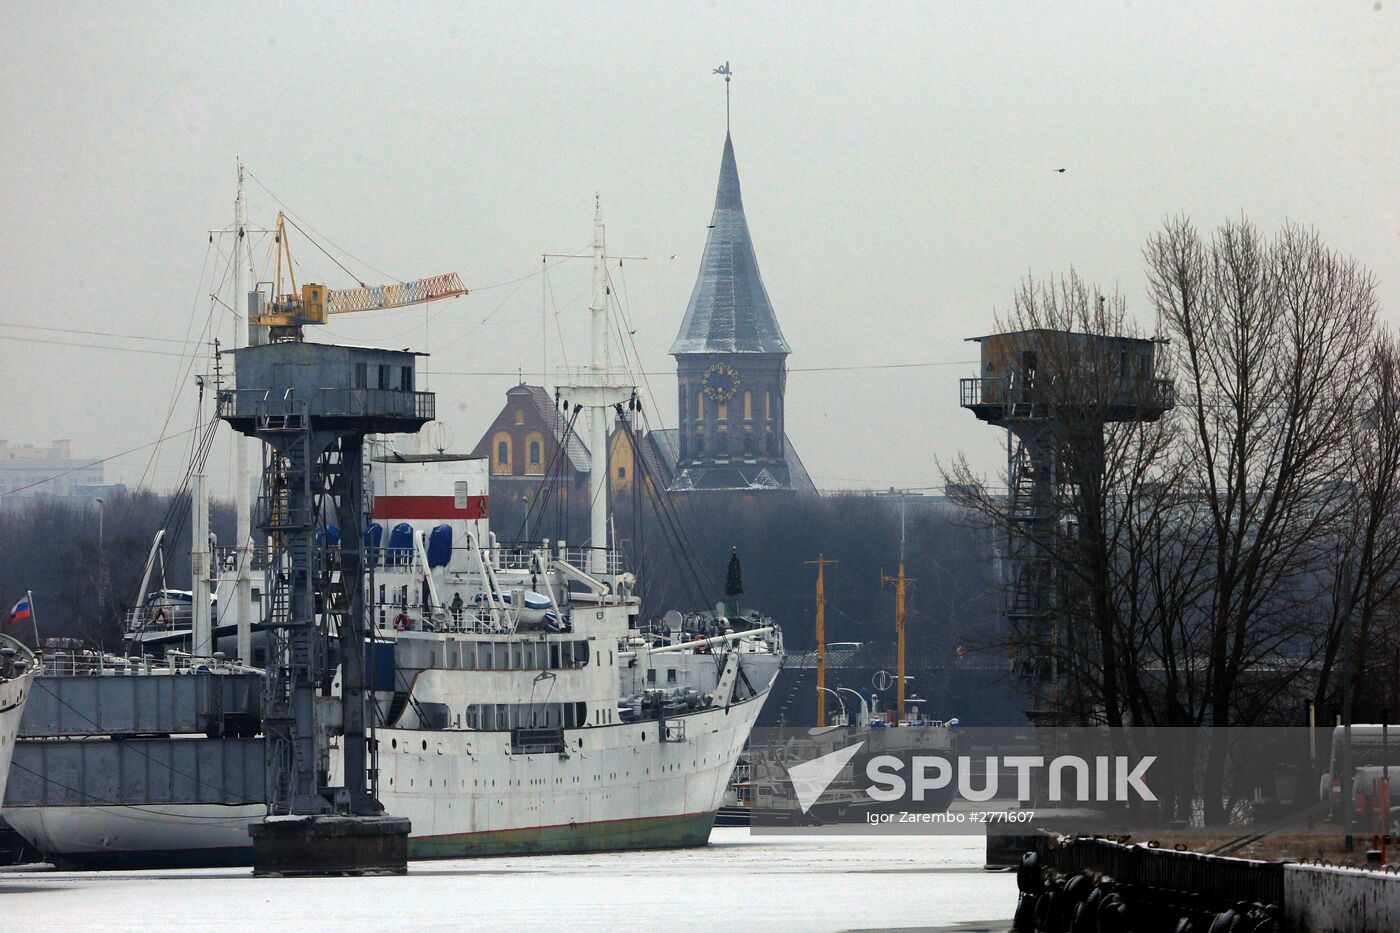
(98, 346)
(93, 333)
(803, 369)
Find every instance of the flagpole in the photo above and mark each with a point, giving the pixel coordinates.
(33, 619)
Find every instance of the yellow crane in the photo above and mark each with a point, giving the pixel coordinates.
(286, 312)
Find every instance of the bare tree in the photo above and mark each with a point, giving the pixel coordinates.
(1272, 339)
(1368, 537)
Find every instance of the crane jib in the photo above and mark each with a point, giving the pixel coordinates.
(394, 295)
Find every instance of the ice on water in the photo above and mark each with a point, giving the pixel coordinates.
(738, 882)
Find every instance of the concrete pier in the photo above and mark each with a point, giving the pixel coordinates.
(300, 846)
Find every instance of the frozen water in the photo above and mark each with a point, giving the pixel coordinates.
(739, 882)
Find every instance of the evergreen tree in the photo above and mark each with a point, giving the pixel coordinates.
(733, 582)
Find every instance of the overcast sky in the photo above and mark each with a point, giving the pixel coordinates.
(897, 164)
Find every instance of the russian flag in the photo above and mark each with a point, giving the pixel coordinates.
(20, 612)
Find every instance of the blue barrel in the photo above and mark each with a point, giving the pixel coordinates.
(401, 540)
(328, 536)
(440, 546)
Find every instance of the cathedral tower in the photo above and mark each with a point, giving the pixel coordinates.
(731, 362)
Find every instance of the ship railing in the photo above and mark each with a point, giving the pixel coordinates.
(467, 620)
(521, 557)
(101, 664)
(504, 557)
(582, 558)
(391, 558)
(226, 560)
(160, 618)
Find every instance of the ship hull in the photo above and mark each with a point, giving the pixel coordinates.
(155, 836)
(657, 832)
(197, 837)
(14, 693)
(621, 789)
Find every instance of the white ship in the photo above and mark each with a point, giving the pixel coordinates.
(521, 702)
(17, 667)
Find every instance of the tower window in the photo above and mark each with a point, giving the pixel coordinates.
(501, 458)
(699, 407)
(748, 405)
(534, 452)
(519, 416)
(768, 404)
(722, 411)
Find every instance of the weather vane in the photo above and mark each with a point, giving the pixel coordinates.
(728, 76)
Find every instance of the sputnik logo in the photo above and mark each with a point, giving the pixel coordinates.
(811, 778)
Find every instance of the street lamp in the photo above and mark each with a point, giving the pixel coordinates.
(864, 707)
(838, 700)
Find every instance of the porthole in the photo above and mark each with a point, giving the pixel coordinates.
(425, 745)
(393, 743)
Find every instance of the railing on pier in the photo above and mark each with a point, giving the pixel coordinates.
(1179, 880)
(1019, 397)
(329, 403)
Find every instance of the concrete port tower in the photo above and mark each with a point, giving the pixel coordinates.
(311, 405)
(1053, 391)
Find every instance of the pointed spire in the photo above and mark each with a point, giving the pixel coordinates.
(729, 311)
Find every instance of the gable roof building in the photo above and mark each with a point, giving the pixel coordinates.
(528, 434)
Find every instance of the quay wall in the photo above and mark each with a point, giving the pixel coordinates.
(1321, 899)
(1060, 877)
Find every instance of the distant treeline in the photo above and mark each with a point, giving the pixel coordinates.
(82, 586)
(679, 546)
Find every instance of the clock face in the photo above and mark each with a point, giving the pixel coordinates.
(721, 381)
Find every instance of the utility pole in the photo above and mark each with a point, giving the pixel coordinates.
(821, 563)
(1348, 792)
(901, 586)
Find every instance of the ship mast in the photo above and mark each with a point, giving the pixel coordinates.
(597, 414)
(598, 393)
(243, 477)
